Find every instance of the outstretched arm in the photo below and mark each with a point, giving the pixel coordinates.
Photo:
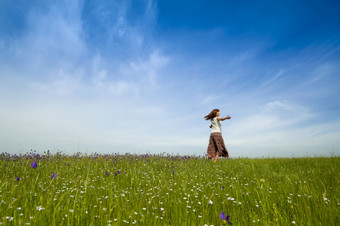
(222, 119)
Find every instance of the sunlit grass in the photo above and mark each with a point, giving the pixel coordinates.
(167, 190)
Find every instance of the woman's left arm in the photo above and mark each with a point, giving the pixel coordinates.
(222, 119)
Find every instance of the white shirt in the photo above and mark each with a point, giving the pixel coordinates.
(216, 125)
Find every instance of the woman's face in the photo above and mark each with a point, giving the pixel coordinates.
(218, 114)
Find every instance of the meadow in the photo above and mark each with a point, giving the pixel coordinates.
(117, 189)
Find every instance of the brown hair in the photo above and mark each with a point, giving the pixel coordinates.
(212, 114)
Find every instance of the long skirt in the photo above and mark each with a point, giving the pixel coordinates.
(216, 146)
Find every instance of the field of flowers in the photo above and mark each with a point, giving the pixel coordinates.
(165, 189)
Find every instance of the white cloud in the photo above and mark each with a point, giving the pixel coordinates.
(61, 89)
(78, 96)
(282, 129)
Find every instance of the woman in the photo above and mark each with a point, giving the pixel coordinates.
(216, 145)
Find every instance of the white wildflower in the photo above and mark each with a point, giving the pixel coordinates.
(39, 208)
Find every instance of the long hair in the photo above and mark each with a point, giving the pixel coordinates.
(212, 114)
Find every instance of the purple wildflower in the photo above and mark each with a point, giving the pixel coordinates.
(118, 172)
(34, 164)
(224, 217)
(107, 174)
(18, 178)
(54, 175)
(222, 188)
(115, 174)
(227, 219)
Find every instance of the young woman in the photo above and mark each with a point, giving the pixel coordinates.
(216, 145)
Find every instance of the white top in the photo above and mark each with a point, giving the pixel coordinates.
(216, 125)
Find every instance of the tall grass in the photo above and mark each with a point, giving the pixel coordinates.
(167, 190)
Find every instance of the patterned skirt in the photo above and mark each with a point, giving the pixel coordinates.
(216, 146)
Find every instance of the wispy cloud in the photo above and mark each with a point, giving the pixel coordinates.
(282, 129)
(73, 94)
(105, 76)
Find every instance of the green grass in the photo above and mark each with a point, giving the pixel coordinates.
(168, 190)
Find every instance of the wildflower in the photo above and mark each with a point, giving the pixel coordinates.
(293, 222)
(210, 202)
(118, 172)
(18, 178)
(107, 174)
(54, 175)
(39, 208)
(222, 188)
(225, 218)
(262, 180)
(34, 164)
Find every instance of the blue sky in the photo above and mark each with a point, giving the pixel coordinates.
(139, 76)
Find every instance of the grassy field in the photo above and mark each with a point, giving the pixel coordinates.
(167, 190)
